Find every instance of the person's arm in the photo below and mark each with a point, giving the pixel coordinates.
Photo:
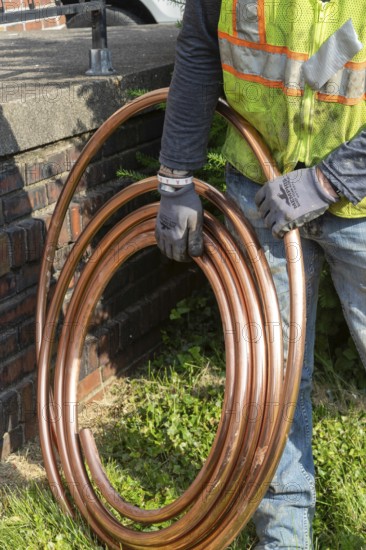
(195, 88)
(345, 168)
(298, 197)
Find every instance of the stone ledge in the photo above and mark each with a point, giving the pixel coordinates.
(45, 95)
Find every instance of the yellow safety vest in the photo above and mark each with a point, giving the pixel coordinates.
(263, 45)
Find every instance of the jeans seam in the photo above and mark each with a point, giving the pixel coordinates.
(308, 435)
(305, 417)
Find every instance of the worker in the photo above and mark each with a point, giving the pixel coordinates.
(296, 71)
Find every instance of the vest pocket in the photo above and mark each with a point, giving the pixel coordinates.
(247, 20)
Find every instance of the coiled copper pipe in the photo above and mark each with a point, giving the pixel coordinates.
(246, 450)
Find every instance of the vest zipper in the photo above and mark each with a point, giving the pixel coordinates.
(309, 94)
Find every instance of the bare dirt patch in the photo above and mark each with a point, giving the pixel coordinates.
(26, 466)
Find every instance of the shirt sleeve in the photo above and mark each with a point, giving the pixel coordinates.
(345, 168)
(195, 88)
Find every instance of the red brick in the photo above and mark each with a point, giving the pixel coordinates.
(37, 197)
(123, 323)
(10, 372)
(8, 343)
(13, 4)
(11, 442)
(89, 384)
(108, 342)
(33, 26)
(27, 394)
(104, 346)
(38, 3)
(27, 333)
(47, 168)
(18, 309)
(46, 219)
(50, 22)
(18, 27)
(108, 371)
(54, 189)
(65, 236)
(89, 205)
(124, 137)
(28, 276)
(11, 409)
(75, 220)
(101, 172)
(33, 172)
(72, 155)
(92, 202)
(65, 233)
(35, 237)
(7, 286)
(94, 396)
(2, 419)
(61, 256)
(57, 162)
(4, 253)
(30, 429)
(154, 300)
(18, 251)
(10, 178)
(29, 360)
(135, 315)
(73, 152)
(16, 206)
(91, 355)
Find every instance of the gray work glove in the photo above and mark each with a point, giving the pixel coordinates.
(179, 223)
(293, 199)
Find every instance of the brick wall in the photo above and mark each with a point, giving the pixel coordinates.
(126, 324)
(42, 22)
(48, 111)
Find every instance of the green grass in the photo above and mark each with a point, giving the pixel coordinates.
(339, 453)
(160, 428)
(30, 519)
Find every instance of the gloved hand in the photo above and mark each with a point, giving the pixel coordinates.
(179, 222)
(293, 199)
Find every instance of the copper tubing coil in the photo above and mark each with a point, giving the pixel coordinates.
(260, 395)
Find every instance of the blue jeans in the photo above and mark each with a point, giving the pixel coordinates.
(284, 517)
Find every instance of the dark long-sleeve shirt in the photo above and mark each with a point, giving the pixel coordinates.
(195, 88)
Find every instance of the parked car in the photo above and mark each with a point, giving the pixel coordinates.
(162, 11)
(128, 12)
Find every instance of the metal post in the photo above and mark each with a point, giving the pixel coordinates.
(100, 61)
